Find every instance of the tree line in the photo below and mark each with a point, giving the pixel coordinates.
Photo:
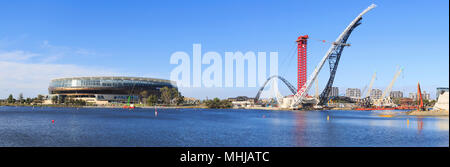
(68, 101)
(40, 99)
(217, 103)
(21, 100)
(167, 96)
(171, 96)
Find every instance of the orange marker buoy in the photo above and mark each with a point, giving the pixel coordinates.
(53, 121)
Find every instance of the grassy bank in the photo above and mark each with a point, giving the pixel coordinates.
(42, 105)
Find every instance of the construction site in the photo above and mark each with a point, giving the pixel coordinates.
(301, 100)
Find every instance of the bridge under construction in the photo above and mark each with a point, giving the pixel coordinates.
(300, 96)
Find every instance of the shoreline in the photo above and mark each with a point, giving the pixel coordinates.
(74, 106)
(412, 113)
(428, 113)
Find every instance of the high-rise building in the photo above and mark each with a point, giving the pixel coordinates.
(440, 90)
(413, 96)
(334, 91)
(376, 94)
(425, 96)
(353, 92)
(396, 94)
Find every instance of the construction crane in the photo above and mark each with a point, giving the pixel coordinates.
(317, 89)
(365, 100)
(371, 84)
(363, 90)
(387, 91)
(385, 99)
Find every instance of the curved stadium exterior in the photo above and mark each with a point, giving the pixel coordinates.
(103, 90)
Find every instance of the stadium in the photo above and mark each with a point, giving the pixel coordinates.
(104, 90)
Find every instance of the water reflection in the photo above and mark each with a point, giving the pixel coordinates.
(331, 130)
(419, 124)
(407, 123)
(442, 124)
(300, 129)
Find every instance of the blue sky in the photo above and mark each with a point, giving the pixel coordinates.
(40, 40)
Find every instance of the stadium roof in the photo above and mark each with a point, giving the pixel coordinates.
(117, 78)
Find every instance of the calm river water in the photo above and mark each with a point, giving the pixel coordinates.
(27, 126)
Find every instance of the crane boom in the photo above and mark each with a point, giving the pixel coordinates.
(389, 88)
(371, 84)
(298, 97)
(317, 88)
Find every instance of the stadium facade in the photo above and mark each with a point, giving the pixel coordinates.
(104, 90)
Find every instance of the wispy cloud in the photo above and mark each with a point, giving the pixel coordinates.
(55, 52)
(7, 42)
(48, 53)
(32, 79)
(16, 55)
(29, 72)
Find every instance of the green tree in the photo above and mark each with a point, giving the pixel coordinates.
(77, 102)
(10, 99)
(68, 101)
(226, 104)
(214, 103)
(82, 102)
(40, 98)
(174, 92)
(61, 99)
(28, 100)
(21, 100)
(143, 94)
(429, 103)
(166, 95)
(176, 96)
(54, 99)
(152, 100)
(180, 99)
(171, 95)
(217, 103)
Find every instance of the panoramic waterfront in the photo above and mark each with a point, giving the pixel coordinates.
(48, 126)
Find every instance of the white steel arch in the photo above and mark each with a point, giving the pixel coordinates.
(298, 97)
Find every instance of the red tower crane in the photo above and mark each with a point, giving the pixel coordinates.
(301, 61)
